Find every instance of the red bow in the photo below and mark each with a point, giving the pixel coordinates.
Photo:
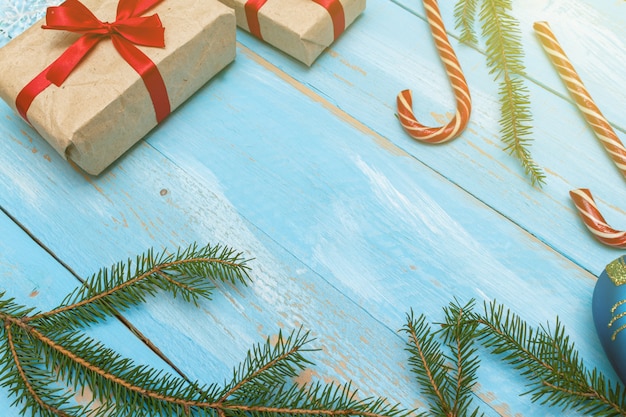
(128, 29)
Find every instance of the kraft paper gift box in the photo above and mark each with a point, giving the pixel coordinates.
(105, 106)
(301, 28)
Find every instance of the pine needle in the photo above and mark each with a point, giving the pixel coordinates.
(504, 56)
(465, 15)
(46, 360)
(446, 377)
(550, 362)
(190, 273)
(44, 366)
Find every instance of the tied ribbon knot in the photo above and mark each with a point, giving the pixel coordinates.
(128, 30)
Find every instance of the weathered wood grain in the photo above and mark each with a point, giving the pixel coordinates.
(363, 81)
(350, 222)
(346, 237)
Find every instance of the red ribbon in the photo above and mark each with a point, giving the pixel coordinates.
(334, 7)
(128, 30)
(252, 8)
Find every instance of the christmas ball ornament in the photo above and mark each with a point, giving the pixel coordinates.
(609, 313)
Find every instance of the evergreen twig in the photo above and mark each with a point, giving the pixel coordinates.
(44, 362)
(43, 351)
(465, 18)
(428, 363)
(459, 336)
(446, 380)
(545, 356)
(551, 363)
(504, 55)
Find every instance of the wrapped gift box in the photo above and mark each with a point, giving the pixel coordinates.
(104, 106)
(301, 28)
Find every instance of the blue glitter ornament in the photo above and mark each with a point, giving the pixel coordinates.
(609, 313)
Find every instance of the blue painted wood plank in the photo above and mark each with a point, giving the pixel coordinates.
(388, 50)
(167, 208)
(350, 221)
(351, 204)
(347, 235)
(398, 53)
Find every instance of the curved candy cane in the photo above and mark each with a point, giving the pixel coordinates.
(461, 92)
(600, 126)
(594, 220)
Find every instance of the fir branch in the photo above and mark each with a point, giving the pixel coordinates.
(267, 365)
(459, 335)
(21, 385)
(550, 362)
(189, 273)
(427, 362)
(545, 356)
(139, 388)
(44, 365)
(465, 17)
(445, 379)
(86, 363)
(504, 56)
(313, 400)
(515, 124)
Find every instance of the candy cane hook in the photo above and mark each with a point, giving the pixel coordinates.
(593, 219)
(455, 74)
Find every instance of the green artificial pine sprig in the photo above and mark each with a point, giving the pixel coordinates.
(551, 363)
(465, 15)
(545, 356)
(45, 358)
(504, 55)
(445, 368)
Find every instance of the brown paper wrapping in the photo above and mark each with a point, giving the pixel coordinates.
(301, 28)
(104, 108)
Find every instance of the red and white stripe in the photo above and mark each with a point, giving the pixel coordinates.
(594, 220)
(461, 92)
(601, 127)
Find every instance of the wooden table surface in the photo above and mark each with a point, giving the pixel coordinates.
(351, 223)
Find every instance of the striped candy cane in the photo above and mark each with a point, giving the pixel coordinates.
(594, 220)
(600, 126)
(582, 197)
(461, 92)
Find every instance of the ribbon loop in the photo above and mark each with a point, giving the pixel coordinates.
(72, 16)
(128, 30)
(252, 8)
(130, 8)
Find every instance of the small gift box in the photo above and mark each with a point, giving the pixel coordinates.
(92, 88)
(301, 28)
